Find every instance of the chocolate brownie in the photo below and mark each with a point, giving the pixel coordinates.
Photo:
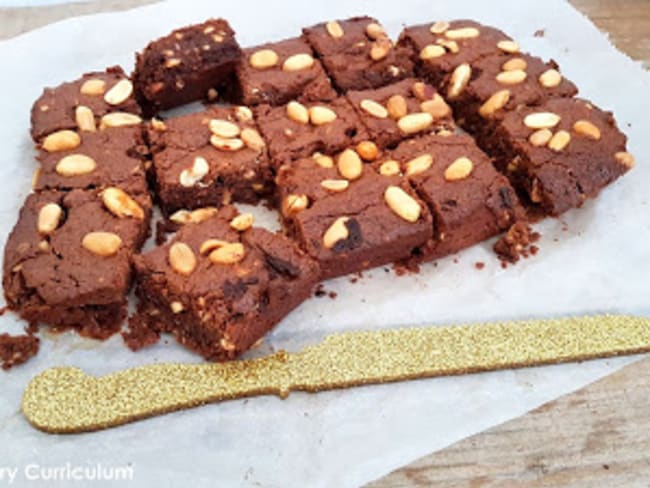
(15, 350)
(445, 50)
(560, 152)
(347, 216)
(82, 103)
(469, 200)
(278, 72)
(357, 54)
(67, 260)
(189, 64)
(110, 157)
(219, 285)
(295, 130)
(501, 83)
(401, 110)
(208, 158)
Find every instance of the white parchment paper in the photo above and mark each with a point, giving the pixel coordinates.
(592, 260)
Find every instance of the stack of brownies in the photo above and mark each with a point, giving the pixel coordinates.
(352, 137)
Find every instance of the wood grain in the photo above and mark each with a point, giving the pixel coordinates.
(598, 436)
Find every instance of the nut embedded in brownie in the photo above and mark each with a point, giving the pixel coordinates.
(219, 286)
(189, 64)
(358, 54)
(298, 130)
(404, 109)
(278, 72)
(208, 158)
(80, 105)
(560, 153)
(347, 216)
(67, 260)
(468, 199)
(444, 51)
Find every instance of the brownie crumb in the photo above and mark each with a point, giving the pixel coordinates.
(516, 243)
(540, 33)
(320, 291)
(479, 265)
(332, 295)
(354, 279)
(16, 350)
(139, 335)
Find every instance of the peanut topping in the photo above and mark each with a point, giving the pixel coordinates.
(587, 129)
(223, 128)
(243, 113)
(62, 140)
(182, 258)
(515, 63)
(93, 87)
(49, 217)
(510, 47)
(119, 119)
(403, 204)
(335, 186)
(412, 123)
(368, 150)
(298, 62)
(541, 120)
(336, 232)
(380, 48)
(462, 33)
(512, 77)
(234, 144)
(319, 115)
(419, 164)
(495, 103)
(76, 165)
(432, 51)
(373, 108)
(229, 253)
(459, 169)
(625, 158)
(389, 168)
(85, 119)
(375, 31)
(451, 46)
(197, 216)
(334, 29)
(190, 177)
(263, 59)
(172, 63)
(298, 112)
(176, 307)
(396, 107)
(121, 204)
(459, 80)
(252, 139)
(102, 243)
(294, 204)
(120, 92)
(550, 78)
(437, 107)
(322, 160)
(242, 222)
(559, 141)
(211, 244)
(350, 165)
(439, 27)
(540, 137)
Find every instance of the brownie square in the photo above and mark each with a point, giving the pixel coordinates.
(469, 200)
(501, 83)
(110, 157)
(349, 225)
(59, 271)
(357, 54)
(193, 63)
(278, 72)
(236, 287)
(404, 109)
(296, 131)
(100, 93)
(208, 158)
(560, 152)
(438, 49)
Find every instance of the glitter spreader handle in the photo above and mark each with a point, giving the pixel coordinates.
(66, 400)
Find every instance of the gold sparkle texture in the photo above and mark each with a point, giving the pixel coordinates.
(66, 400)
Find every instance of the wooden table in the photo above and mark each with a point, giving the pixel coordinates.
(598, 436)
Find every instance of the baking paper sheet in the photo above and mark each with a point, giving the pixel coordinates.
(593, 260)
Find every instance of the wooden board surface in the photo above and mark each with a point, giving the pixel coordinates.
(598, 436)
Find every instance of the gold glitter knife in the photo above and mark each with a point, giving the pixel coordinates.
(66, 400)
